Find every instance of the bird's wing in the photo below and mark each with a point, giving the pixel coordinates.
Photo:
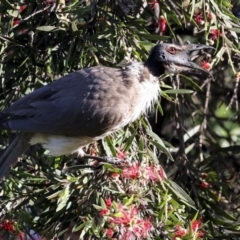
(88, 102)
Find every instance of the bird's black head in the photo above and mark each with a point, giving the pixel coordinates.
(173, 58)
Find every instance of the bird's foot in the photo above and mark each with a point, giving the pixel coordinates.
(106, 159)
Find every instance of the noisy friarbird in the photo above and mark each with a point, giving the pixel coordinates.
(89, 104)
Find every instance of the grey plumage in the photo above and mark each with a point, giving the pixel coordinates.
(16, 148)
(89, 104)
(99, 97)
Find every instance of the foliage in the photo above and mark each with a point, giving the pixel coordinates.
(193, 135)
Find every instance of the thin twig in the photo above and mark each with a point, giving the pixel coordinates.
(204, 122)
(28, 17)
(179, 122)
(234, 97)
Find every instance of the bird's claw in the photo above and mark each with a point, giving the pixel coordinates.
(113, 160)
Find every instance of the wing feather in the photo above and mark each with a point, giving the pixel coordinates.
(73, 104)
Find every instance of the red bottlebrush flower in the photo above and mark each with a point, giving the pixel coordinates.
(7, 225)
(16, 21)
(209, 16)
(161, 173)
(161, 25)
(153, 4)
(92, 151)
(132, 172)
(198, 18)
(200, 234)
(180, 231)
(121, 154)
(31, 169)
(108, 202)
(204, 175)
(127, 235)
(144, 226)
(104, 212)
(204, 184)
(50, 2)
(115, 175)
(133, 225)
(206, 65)
(21, 236)
(154, 173)
(22, 8)
(196, 224)
(215, 34)
(109, 232)
(127, 215)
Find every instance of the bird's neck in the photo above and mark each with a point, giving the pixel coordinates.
(156, 68)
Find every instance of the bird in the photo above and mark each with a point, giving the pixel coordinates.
(236, 8)
(90, 104)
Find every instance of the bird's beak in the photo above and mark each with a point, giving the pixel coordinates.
(184, 58)
(194, 65)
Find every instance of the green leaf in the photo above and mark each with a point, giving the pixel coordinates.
(159, 143)
(184, 197)
(220, 211)
(191, 132)
(63, 198)
(49, 28)
(191, 82)
(178, 91)
(103, 205)
(153, 37)
(128, 201)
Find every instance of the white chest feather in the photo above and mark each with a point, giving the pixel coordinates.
(147, 92)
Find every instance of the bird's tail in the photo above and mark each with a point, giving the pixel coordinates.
(17, 147)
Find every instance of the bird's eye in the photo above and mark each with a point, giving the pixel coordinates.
(172, 50)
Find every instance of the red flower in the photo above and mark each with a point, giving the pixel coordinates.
(126, 215)
(144, 226)
(161, 173)
(132, 172)
(153, 4)
(180, 231)
(121, 154)
(161, 25)
(155, 173)
(21, 236)
(16, 21)
(7, 225)
(129, 220)
(204, 184)
(115, 175)
(49, 1)
(196, 224)
(109, 232)
(209, 16)
(199, 19)
(204, 175)
(92, 151)
(104, 212)
(108, 202)
(206, 65)
(215, 34)
(201, 234)
(22, 8)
